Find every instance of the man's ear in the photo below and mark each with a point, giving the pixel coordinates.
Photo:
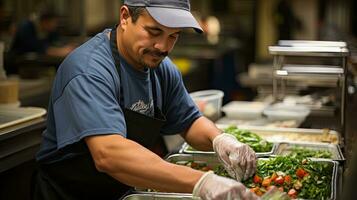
(124, 16)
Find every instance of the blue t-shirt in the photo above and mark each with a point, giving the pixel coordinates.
(86, 93)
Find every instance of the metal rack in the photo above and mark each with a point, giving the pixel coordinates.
(313, 63)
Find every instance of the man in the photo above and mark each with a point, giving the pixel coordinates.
(113, 97)
(39, 36)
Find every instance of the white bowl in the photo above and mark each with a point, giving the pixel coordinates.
(280, 112)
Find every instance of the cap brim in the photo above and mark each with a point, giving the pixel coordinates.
(174, 18)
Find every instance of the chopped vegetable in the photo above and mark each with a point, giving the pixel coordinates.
(257, 179)
(306, 180)
(257, 143)
(292, 193)
(302, 152)
(279, 180)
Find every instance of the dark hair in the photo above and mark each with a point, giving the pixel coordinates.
(135, 12)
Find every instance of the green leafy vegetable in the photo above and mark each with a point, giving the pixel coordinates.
(302, 178)
(309, 153)
(257, 143)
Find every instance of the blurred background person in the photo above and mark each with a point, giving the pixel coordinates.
(40, 36)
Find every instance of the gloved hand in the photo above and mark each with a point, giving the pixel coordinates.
(238, 159)
(213, 187)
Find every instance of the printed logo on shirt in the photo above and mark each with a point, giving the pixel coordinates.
(141, 107)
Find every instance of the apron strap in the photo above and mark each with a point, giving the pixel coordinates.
(116, 56)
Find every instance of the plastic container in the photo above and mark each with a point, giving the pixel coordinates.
(280, 112)
(209, 102)
(244, 109)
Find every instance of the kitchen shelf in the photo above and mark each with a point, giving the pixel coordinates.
(312, 43)
(309, 51)
(330, 73)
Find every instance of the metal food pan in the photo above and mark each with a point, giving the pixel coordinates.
(212, 161)
(158, 196)
(185, 149)
(291, 134)
(334, 177)
(284, 148)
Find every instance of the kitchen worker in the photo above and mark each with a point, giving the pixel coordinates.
(40, 36)
(111, 100)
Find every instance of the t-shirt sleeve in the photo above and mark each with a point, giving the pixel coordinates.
(87, 106)
(179, 108)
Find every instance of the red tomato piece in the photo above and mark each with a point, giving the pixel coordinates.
(300, 173)
(279, 180)
(287, 179)
(257, 179)
(292, 193)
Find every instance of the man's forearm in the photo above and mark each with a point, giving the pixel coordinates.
(134, 165)
(201, 134)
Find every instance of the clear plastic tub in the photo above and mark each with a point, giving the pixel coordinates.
(209, 102)
(244, 109)
(280, 111)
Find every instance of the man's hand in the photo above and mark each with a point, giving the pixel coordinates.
(213, 187)
(238, 158)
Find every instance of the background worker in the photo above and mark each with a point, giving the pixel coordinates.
(40, 36)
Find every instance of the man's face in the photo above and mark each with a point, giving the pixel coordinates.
(146, 43)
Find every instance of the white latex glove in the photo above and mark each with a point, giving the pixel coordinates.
(238, 158)
(213, 187)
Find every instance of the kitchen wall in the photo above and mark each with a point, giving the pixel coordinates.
(305, 10)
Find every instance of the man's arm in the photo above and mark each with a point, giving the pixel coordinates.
(201, 134)
(134, 165)
(238, 158)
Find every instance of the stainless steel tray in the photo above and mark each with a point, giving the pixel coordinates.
(157, 196)
(285, 148)
(185, 149)
(212, 161)
(334, 177)
(292, 134)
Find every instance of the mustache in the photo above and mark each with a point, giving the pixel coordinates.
(155, 52)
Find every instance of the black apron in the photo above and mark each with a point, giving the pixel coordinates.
(77, 177)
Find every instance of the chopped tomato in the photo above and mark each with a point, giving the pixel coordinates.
(300, 173)
(292, 193)
(254, 190)
(205, 168)
(266, 182)
(259, 193)
(257, 179)
(287, 179)
(274, 176)
(279, 180)
(194, 165)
